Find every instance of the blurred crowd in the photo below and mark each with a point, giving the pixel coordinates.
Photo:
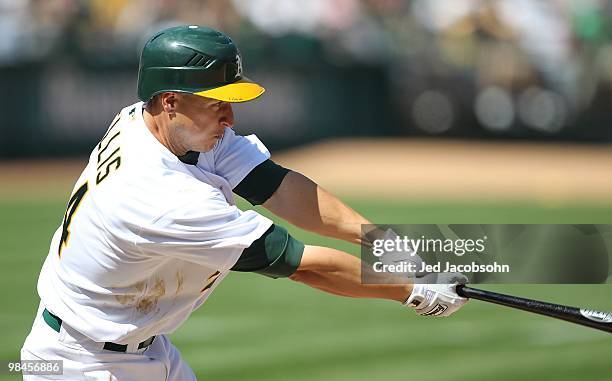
(454, 67)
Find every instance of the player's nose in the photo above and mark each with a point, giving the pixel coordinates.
(227, 116)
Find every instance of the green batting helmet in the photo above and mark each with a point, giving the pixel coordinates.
(194, 59)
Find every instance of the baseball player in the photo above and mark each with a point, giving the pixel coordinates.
(151, 227)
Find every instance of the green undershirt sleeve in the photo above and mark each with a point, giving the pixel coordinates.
(275, 254)
(261, 183)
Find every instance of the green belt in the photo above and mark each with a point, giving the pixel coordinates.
(55, 323)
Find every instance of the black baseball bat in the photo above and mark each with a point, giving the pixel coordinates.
(587, 317)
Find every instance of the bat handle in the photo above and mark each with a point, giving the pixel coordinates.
(594, 319)
(460, 290)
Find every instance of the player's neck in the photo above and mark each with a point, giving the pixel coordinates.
(157, 130)
(152, 126)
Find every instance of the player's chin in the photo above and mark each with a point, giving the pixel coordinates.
(209, 145)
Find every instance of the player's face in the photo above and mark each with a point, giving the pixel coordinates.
(199, 123)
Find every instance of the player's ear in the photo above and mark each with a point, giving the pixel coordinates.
(168, 102)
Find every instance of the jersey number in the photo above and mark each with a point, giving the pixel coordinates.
(73, 204)
(105, 167)
(211, 280)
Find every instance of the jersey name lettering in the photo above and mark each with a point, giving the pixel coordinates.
(108, 162)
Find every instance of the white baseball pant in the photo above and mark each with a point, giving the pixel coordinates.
(84, 359)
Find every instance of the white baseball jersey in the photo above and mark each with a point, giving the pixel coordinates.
(146, 238)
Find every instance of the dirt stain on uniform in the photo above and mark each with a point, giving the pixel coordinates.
(144, 298)
(151, 296)
(128, 299)
(125, 299)
(179, 282)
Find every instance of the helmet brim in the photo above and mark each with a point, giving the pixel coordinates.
(240, 91)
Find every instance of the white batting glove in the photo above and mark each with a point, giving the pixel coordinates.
(438, 299)
(397, 257)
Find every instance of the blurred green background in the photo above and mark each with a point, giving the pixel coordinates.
(255, 328)
(476, 69)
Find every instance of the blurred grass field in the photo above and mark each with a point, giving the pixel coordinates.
(254, 328)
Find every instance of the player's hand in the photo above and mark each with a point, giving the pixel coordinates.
(437, 299)
(396, 257)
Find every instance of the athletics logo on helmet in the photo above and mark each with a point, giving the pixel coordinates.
(239, 62)
(196, 60)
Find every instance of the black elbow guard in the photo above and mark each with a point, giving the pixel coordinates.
(261, 183)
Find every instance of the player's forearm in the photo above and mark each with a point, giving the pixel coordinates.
(303, 203)
(339, 273)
